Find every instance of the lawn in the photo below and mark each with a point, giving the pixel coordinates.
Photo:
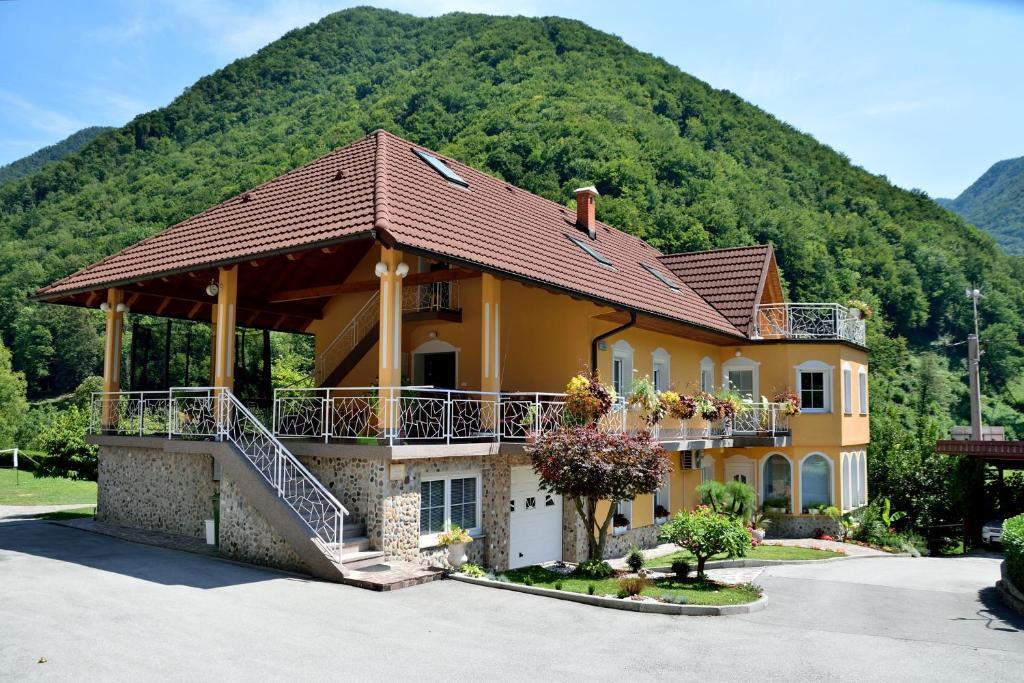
(695, 592)
(30, 490)
(761, 552)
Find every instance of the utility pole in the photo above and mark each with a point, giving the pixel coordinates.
(973, 367)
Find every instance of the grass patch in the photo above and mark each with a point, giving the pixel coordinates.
(695, 592)
(761, 552)
(24, 488)
(77, 513)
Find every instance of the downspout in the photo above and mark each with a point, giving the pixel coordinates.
(609, 333)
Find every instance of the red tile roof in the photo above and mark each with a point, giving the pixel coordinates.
(731, 280)
(378, 182)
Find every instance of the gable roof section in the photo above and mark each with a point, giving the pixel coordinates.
(385, 186)
(732, 280)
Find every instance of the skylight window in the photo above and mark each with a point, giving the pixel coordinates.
(661, 276)
(442, 168)
(598, 256)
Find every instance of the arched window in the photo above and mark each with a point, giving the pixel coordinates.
(707, 375)
(815, 481)
(863, 471)
(777, 482)
(622, 367)
(848, 482)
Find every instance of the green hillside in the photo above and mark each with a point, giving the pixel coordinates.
(35, 161)
(995, 203)
(547, 104)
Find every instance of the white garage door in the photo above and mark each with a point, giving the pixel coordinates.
(535, 521)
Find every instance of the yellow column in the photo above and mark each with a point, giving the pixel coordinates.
(112, 356)
(224, 342)
(390, 269)
(490, 337)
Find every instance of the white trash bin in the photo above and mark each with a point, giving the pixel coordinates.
(211, 538)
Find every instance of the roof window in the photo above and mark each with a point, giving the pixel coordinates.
(442, 168)
(661, 276)
(598, 256)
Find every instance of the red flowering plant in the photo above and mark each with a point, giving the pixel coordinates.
(587, 465)
(587, 399)
(790, 402)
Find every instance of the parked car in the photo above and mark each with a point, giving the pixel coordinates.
(992, 532)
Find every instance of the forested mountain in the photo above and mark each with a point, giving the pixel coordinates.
(36, 160)
(548, 104)
(995, 203)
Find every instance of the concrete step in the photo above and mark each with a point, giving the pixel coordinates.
(360, 559)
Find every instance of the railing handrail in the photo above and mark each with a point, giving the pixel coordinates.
(832, 321)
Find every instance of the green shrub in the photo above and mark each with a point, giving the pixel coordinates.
(705, 533)
(733, 498)
(68, 455)
(681, 568)
(1013, 548)
(558, 585)
(673, 599)
(594, 569)
(474, 570)
(591, 589)
(635, 559)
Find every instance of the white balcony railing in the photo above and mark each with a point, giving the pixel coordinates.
(393, 415)
(807, 321)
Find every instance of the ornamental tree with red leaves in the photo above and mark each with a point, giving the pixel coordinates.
(586, 465)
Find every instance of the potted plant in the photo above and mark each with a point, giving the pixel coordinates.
(776, 505)
(620, 524)
(455, 540)
(707, 407)
(758, 526)
(859, 310)
(645, 398)
(660, 514)
(528, 422)
(587, 399)
(813, 508)
(788, 401)
(678, 406)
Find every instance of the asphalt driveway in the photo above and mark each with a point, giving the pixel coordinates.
(98, 608)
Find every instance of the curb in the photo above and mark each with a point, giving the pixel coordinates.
(735, 564)
(616, 603)
(1008, 591)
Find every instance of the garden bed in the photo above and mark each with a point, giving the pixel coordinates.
(772, 553)
(663, 595)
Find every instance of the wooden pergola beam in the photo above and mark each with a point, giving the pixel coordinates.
(243, 306)
(325, 291)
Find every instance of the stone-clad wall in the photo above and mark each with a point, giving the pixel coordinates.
(149, 488)
(802, 526)
(359, 483)
(574, 543)
(246, 535)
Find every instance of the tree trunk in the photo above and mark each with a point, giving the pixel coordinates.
(701, 560)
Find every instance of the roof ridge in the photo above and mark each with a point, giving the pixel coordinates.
(381, 215)
(766, 245)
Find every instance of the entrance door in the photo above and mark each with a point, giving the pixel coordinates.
(740, 469)
(439, 369)
(535, 521)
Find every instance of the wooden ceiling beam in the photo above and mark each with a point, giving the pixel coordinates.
(326, 291)
(163, 305)
(243, 306)
(195, 309)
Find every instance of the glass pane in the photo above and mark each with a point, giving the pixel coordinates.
(778, 479)
(812, 389)
(464, 502)
(431, 507)
(814, 488)
(742, 381)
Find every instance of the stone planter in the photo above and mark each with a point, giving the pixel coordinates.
(457, 555)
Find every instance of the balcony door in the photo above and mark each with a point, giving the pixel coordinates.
(435, 363)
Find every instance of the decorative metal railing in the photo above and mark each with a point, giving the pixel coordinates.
(395, 415)
(216, 413)
(365, 319)
(761, 418)
(432, 296)
(807, 321)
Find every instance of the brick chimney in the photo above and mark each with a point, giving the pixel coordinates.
(586, 205)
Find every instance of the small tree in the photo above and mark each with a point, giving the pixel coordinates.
(732, 498)
(706, 533)
(587, 465)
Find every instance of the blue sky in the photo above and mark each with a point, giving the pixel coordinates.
(928, 93)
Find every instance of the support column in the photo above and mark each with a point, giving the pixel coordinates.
(390, 269)
(114, 310)
(224, 344)
(490, 337)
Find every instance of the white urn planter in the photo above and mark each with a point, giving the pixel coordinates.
(619, 530)
(660, 520)
(457, 555)
(854, 312)
(759, 535)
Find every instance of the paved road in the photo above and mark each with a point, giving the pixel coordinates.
(98, 608)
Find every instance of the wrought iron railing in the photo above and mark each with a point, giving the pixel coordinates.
(431, 296)
(216, 413)
(364, 320)
(808, 321)
(761, 418)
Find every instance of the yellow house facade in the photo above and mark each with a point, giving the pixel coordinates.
(449, 309)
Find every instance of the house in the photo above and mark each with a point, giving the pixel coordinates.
(449, 309)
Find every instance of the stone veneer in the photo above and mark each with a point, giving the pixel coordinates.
(575, 549)
(149, 488)
(359, 483)
(802, 526)
(246, 535)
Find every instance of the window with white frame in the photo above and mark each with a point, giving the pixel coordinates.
(814, 384)
(847, 390)
(707, 375)
(847, 480)
(740, 375)
(707, 469)
(815, 482)
(777, 482)
(448, 501)
(622, 367)
(862, 390)
(623, 508)
(661, 501)
(661, 369)
(863, 471)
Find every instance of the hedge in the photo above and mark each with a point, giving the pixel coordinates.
(1013, 548)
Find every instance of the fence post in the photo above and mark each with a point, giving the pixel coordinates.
(325, 414)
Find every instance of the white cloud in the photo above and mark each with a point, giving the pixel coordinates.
(44, 120)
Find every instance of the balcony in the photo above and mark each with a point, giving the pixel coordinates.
(808, 322)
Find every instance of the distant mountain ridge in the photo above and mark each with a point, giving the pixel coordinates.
(995, 203)
(36, 160)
